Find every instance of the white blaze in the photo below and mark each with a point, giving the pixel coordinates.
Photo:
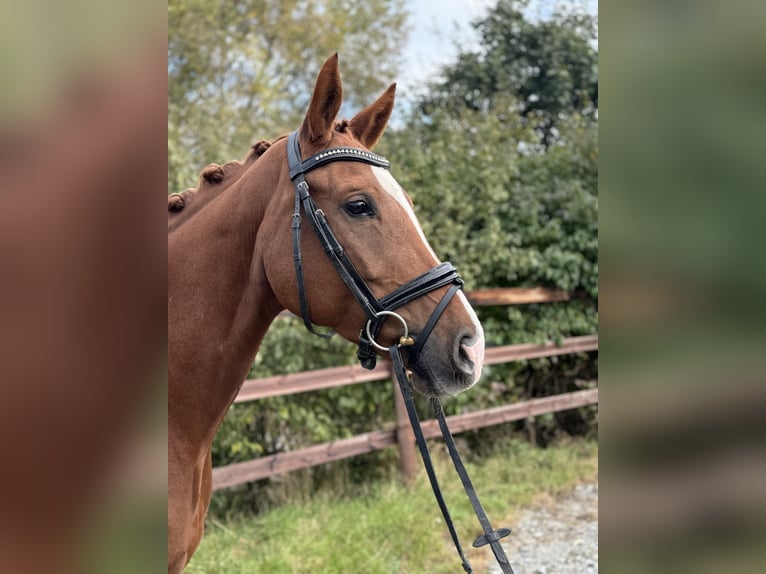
(392, 187)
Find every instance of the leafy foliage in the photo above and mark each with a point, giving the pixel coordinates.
(239, 71)
(549, 64)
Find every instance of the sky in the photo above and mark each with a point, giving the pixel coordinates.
(439, 25)
(436, 27)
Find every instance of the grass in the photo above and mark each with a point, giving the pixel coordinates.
(391, 528)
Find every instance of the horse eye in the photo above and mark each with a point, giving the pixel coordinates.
(358, 208)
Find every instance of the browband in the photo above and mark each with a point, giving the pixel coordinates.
(334, 154)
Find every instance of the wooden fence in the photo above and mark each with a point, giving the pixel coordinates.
(401, 435)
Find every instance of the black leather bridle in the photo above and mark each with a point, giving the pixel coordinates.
(378, 311)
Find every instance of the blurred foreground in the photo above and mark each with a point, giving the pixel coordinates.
(82, 281)
(682, 277)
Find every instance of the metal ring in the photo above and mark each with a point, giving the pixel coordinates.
(390, 314)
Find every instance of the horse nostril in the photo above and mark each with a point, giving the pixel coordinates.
(469, 354)
(465, 354)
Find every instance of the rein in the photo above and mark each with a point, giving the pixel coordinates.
(378, 311)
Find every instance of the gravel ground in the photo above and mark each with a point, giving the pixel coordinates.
(556, 537)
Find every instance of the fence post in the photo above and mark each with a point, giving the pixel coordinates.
(405, 440)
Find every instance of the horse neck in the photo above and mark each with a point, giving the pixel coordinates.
(220, 304)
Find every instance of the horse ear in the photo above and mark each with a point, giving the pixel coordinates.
(369, 124)
(325, 103)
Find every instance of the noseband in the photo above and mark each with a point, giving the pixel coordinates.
(378, 311)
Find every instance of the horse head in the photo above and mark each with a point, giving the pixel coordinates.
(373, 219)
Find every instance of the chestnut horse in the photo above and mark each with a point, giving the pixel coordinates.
(230, 272)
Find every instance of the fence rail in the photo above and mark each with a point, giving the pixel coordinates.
(267, 466)
(306, 381)
(520, 296)
(401, 434)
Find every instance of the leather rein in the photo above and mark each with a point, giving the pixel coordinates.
(378, 311)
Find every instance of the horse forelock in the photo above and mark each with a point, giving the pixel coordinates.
(342, 126)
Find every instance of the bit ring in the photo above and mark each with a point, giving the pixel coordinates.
(403, 341)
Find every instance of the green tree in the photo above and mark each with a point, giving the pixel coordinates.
(549, 64)
(239, 71)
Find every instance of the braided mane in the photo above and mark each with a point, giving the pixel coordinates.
(213, 180)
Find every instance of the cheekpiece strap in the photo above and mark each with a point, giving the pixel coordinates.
(305, 206)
